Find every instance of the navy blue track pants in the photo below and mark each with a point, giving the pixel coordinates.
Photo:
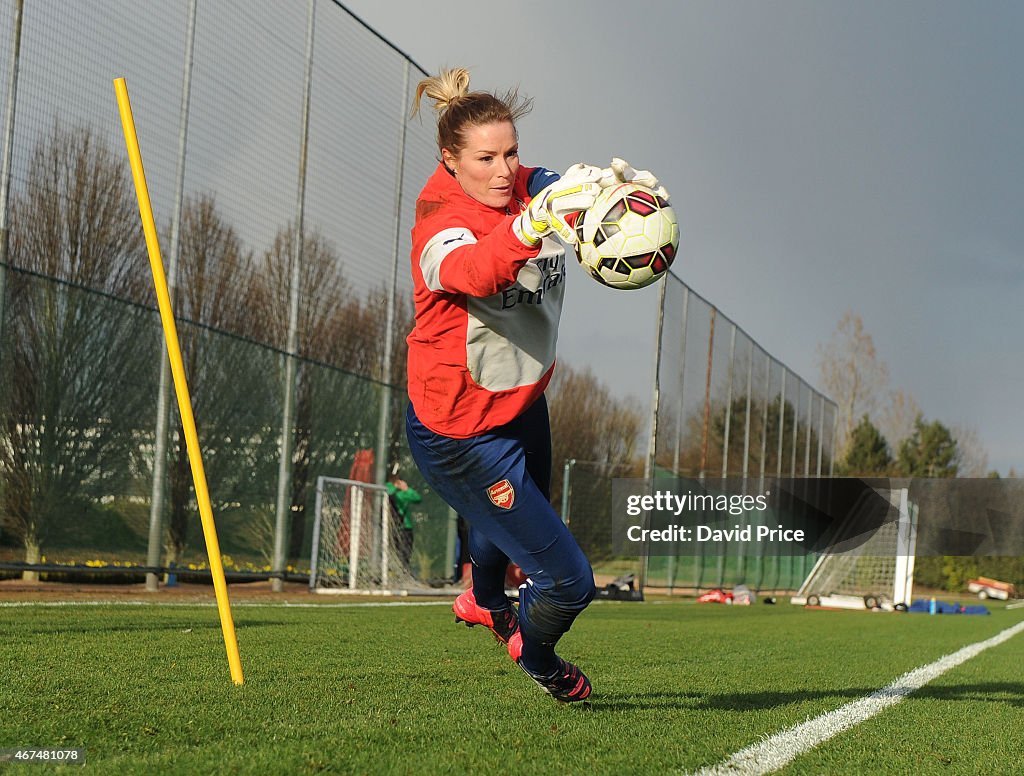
(500, 483)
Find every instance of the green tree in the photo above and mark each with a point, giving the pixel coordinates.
(929, 451)
(867, 453)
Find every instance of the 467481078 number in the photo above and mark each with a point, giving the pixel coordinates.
(31, 754)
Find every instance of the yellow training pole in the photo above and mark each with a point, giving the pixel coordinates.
(188, 422)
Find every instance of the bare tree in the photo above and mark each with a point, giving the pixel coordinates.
(588, 423)
(78, 218)
(973, 455)
(231, 381)
(600, 432)
(78, 374)
(335, 409)
(852, 374)
(897, 419)
(215, 285)
(322, 290)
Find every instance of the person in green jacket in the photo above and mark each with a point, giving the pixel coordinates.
(402, 498)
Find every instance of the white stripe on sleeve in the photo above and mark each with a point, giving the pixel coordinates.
(435, 251)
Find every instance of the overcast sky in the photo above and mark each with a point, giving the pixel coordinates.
(822, 156)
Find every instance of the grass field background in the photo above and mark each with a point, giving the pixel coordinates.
(401, 689)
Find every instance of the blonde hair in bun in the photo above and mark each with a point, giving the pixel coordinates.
(444, 89)
(458, 108)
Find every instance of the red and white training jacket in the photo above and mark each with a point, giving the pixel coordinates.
(487, 308)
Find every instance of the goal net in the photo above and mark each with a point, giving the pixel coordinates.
(358, 542)
(877, 571)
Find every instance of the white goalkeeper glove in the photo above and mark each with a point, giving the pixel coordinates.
(573, 193)
(621, 171)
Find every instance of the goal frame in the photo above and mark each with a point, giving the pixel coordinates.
(355, 531)
(898, 591)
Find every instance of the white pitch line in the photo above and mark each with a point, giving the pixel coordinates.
(778, 750)
(241, 605)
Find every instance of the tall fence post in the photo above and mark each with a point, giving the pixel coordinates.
(682, 381)
(5, 173)
(725, 440)
(728, 403)
(567, 489)
(796, 428)
(384, 416)
(707, 398)
(164, 391)
(746, 425)
(759, 578)
(782, 422)
(741, 560)
(793, 560)
(652, 446)
(821, 434)
(764, 419)
(810, 426)
(284, 472)
(835, 435)
(450, 559)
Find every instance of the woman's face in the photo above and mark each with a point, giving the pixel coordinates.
(486, 166)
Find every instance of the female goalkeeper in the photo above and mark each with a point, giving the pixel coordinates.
(488, 284)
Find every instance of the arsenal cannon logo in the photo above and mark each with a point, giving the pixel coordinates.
(502, 494)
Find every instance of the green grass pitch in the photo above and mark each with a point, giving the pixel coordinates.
(403, 690)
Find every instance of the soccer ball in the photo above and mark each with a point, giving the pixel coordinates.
(628, 238)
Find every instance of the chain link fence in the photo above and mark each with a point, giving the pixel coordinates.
(728, 408)
(219, 92)
(723, 407)
(78, 438)
(283, 174)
